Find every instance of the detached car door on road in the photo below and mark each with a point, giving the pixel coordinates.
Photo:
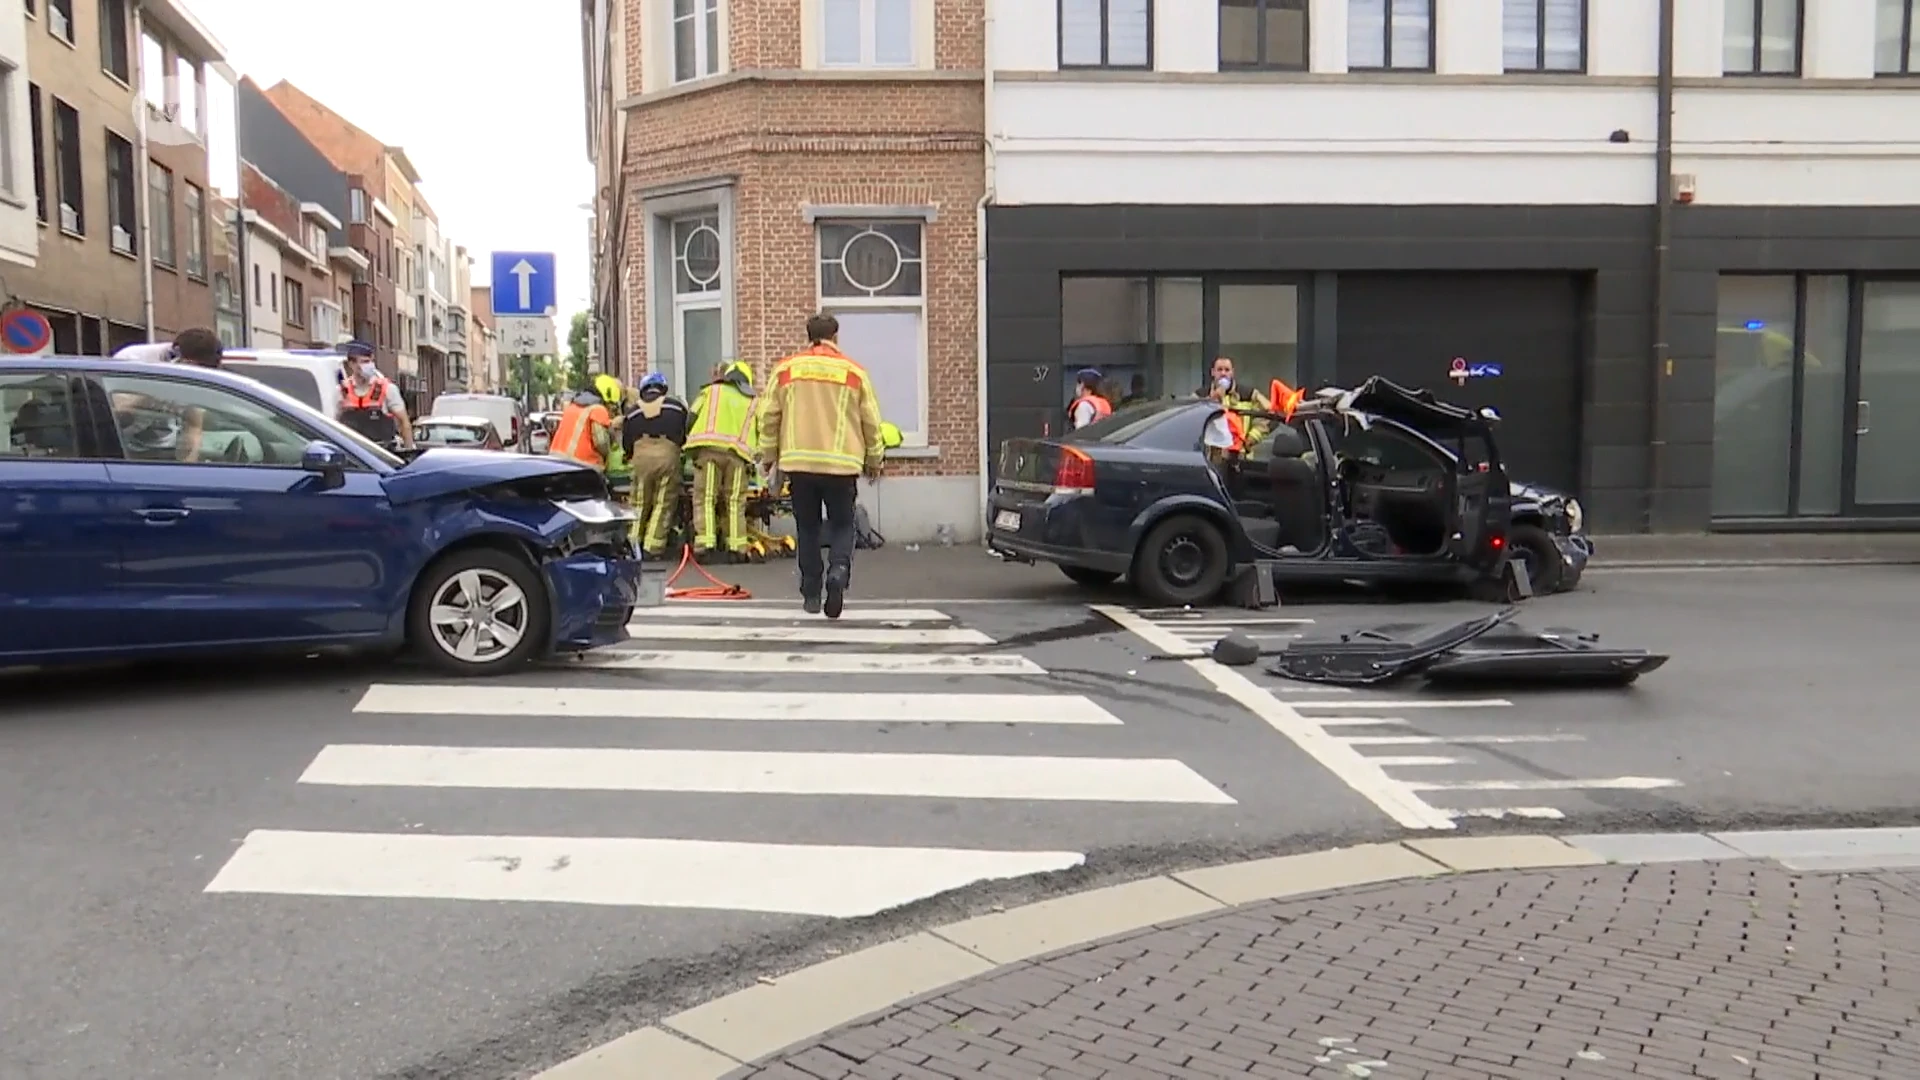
(59, 560)
(231, 540)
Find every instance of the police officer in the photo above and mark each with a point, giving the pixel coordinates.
(370, 402)
(652, 434)
(1089, 404)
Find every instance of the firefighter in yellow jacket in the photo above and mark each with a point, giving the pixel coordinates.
(820, 427)
(723, 435)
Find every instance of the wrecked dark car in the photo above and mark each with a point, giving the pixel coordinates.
(1489, 650)
(150, 509)
(1379, 484)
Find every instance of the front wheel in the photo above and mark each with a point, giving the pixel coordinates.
(1092, 579)
(1184, 560)
(478, 612)
(1533, 547)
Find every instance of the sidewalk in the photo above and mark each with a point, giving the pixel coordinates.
(967, 572)
(1759, 955)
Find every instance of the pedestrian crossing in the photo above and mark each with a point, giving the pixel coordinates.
(1429, 760)
(648, 722)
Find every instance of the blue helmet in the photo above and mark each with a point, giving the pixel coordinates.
(654, 378)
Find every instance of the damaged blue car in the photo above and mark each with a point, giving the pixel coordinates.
(152, 509)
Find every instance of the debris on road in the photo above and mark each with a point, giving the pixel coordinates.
(1489, 649)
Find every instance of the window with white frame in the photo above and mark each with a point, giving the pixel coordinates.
(866, 33)
(696, 39)
(1106, 33)
(1896, 50)
(1390, 35)
(873, 279)
(699, 299)
(1762, 37)
(1545, 36)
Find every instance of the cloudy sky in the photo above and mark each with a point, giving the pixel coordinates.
(486, 97)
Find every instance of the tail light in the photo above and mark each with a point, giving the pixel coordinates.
(1075, 471)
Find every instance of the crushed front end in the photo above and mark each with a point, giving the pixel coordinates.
(593, 567)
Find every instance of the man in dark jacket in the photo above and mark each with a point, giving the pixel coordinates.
(652, 433)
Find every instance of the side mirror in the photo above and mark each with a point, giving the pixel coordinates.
(323, 458)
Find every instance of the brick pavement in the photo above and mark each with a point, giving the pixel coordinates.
(1712, 969)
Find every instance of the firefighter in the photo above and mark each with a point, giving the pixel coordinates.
(585, 433)
(723, 434)
(652, 435)
(369, 401)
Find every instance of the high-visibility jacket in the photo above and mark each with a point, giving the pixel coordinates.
(724, 418)
(368, 411)
(820, 415)
(1102, 408)
(575, 437)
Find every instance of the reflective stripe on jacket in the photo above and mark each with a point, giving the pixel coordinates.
(819, 415)
(724, 419)
(574, 438)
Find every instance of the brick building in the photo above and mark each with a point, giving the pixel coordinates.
(754, 170)
(294, 284)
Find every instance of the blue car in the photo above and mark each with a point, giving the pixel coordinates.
(149, 509)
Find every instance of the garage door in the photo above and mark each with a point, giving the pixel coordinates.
(1410, 328)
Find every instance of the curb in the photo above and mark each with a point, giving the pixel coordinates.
(709, 1041)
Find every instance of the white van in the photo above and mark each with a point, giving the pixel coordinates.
(309, 376)
(504, 412)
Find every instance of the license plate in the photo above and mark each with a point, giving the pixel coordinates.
(1008, 520)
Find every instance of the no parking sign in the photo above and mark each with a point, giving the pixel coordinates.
(25, 332)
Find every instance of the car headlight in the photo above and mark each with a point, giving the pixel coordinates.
(596, 511)
(1576, 517)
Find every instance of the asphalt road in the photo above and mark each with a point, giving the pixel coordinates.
(125, 797)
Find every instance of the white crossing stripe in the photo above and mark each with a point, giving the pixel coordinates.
(944, 776)
(1452, 740)
(823, 634)
(727, 610)
(1357, 721)
(1496, 813)
(467, 699)
(1402, 703)
(1387, 762)
(809, 663)
(791, 879)
(1616, 783)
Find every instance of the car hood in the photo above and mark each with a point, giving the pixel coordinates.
(1521, 489)
(454, 470)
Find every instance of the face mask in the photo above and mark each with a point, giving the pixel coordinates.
(1223, 383)
(365, 371)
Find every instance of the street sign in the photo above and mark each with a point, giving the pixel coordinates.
(523, 283)
(25, 332)
(527, 337)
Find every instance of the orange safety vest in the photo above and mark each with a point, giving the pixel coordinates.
(374, 397)
(1102, 408)
(574, 438)
(1237, 427)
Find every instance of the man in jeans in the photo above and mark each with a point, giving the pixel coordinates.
(820, 428)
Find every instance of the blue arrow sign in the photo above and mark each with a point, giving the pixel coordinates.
(523, 284)
(1486, 371)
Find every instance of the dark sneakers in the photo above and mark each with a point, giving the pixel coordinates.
(811, 604)
(837, 578)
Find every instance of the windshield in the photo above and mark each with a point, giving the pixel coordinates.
(330, 429)
(448, 435)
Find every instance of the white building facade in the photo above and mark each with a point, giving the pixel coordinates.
(19, 232)
(1327, 189)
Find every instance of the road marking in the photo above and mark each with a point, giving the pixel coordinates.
(1538, 813)
(1394, 762)
(1405, 703)
(823, 634)
(1616, 783)
(733, 772)
(1393, 798)
(1184, 624)
(809, 663)
(1455, 740)
(786, 879)
(1357, 721)
(721, 610)
(467, 699)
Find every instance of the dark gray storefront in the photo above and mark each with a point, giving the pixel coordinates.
(1558, 298)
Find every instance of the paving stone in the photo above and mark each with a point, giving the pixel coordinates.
(1728, 968)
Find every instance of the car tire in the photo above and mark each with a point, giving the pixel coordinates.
(439, 641)
(1184, 560)
(1533, 546)
(1091, 578)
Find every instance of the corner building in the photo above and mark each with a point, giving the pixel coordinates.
(781, 157)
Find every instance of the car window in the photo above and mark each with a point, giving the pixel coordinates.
(36, 416)
(177, 421)
(297, 383)
(1380, 446)
(450, 435)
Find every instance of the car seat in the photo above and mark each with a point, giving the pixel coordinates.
(39, 430)
(1299, 498)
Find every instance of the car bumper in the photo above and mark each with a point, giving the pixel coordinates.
(1576, 551)
(593, 598)
(1055, 530)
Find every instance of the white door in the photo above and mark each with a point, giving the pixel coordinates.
(696, 345)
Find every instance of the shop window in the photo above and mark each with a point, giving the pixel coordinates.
(1780, 408)
(1887, 442)
(1545, 35)
(1390, 35)
(1260, 333)
(1763, 37)
(1144, 335)
(1263, 34)
(1106, 34)
(873, 279)
(1896, 51)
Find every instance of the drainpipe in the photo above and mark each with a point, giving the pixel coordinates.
(1660, 360)
(142, 168)
(980, 259)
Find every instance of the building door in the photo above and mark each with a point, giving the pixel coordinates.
(699, 294)
(1520, 332)
(1885, 392)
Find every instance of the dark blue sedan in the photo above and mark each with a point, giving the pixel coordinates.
(1377, 484)
(148, 509)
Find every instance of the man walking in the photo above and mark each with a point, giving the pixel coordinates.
(820, 427)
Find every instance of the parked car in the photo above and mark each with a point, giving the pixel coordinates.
(540, 429)
(121, 539)
(473, 432)
(1380, 484)
(309, 376)
(503, 412)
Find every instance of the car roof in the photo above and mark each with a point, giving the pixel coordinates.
(470, 421)
(108, 365)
